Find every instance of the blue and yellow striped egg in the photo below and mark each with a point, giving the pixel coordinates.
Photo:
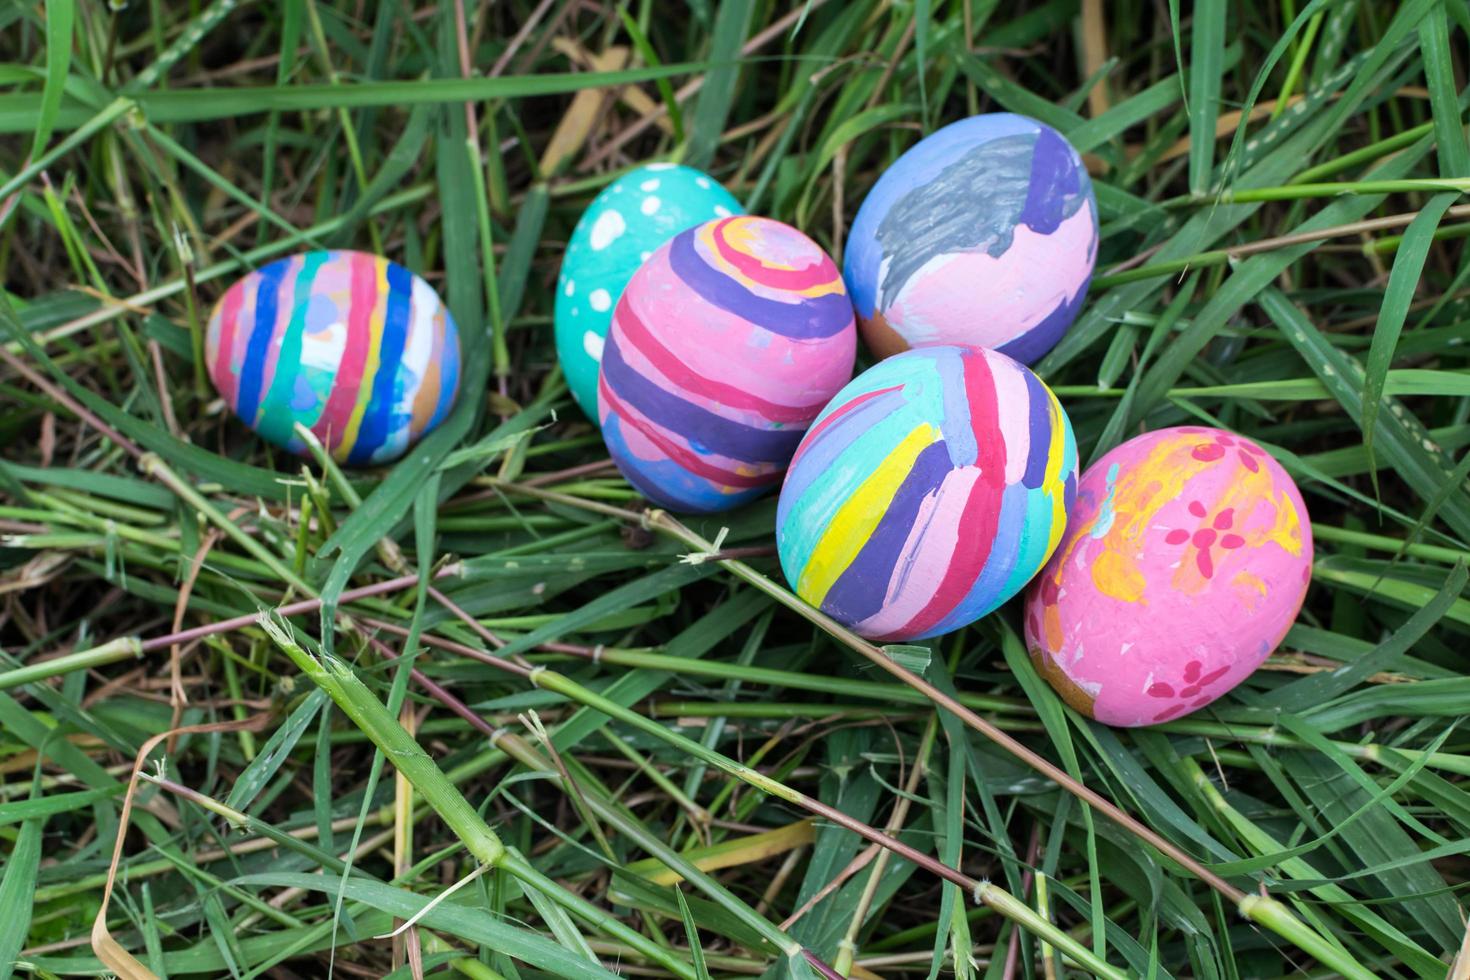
(356, 348)
(620, 229)
(928, 492)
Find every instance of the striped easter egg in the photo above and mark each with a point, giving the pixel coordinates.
(723, 348)
(930, 491)
(356, 348)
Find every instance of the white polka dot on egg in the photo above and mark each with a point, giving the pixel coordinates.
(650, 205)
(601, 300)
(592, 344)
(606, 229)
(649, 185)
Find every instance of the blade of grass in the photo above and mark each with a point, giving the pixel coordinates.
(60, 16)
(720, 82)
(16, 888)
(451, 917)
(691, 932)
(169, 106)
(1206, 47)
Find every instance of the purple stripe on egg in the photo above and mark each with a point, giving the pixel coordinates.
(812, 318)
(1029, 347)
(706, 432)
(633, 472)
(1053, 183)
(1041, 431)
(861, 589)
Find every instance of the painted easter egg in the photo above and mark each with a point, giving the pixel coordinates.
(983, 233)
(930, 491)
(620, 229)
(354, 347)
(1186, 559)
(725, 345)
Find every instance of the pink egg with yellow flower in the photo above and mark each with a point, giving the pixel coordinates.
(1186, 559)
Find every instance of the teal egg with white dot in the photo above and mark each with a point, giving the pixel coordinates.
(622, 227)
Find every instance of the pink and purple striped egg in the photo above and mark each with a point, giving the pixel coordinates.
(930, 491)
(356, 348)
(983, 233)
(1186, 560)
(725, 345)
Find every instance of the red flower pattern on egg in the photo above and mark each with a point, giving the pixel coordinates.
(1188, 695)
(1221, 444)
(1204, 538)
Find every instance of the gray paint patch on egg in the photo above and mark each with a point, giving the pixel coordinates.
(976, 202)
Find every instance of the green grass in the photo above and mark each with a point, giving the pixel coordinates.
(502, 708)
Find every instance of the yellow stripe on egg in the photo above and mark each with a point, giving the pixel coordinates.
(858, 517)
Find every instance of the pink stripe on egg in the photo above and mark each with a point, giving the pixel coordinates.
(820, 272)
(337, 413)
(926, 555)
(226, 374)
(673, 368)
